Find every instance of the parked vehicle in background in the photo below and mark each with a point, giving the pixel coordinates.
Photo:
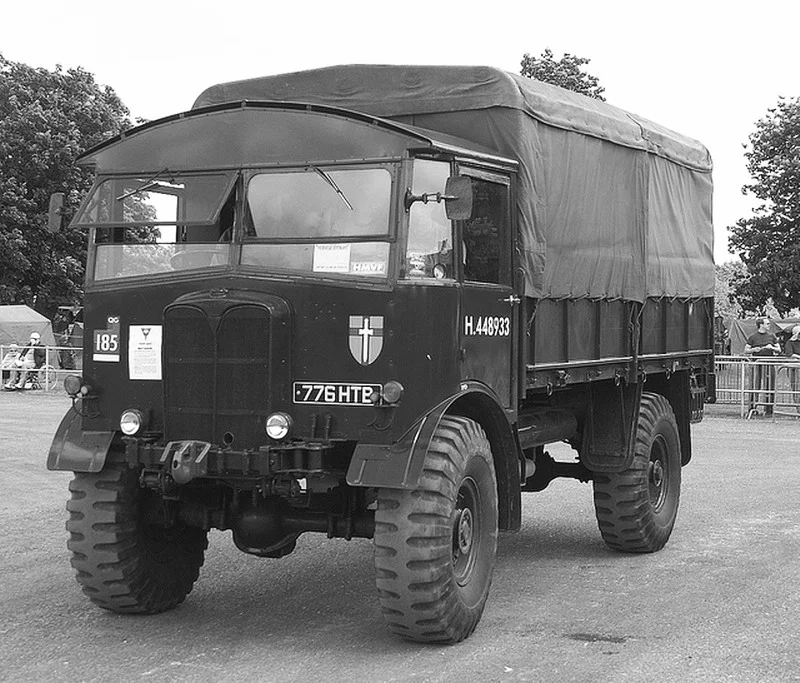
(362, 301)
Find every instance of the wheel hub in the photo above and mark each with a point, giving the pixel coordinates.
(658, 476)
(657, 473)
(464, 531)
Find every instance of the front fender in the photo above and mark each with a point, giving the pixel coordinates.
(399, 465)
(76, 450)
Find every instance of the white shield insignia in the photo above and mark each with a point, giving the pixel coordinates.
(366, 337)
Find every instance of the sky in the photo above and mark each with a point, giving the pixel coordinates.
(706, 69)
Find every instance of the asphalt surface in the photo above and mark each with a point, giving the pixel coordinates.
(719, 603)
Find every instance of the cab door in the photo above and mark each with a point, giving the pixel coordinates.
(489, 306)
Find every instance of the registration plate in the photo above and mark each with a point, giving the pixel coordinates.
(335, 393)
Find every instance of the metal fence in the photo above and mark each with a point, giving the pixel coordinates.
(759, 386)
(60, 361)
(767, 386)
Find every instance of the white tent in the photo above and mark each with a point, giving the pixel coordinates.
(17, 323)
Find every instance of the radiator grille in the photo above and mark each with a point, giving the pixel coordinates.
(217, 374)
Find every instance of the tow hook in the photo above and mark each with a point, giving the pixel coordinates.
(188, 460)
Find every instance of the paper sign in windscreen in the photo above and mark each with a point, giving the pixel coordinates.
(331, 258)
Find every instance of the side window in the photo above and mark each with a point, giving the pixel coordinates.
(484, 234)
(429, 251)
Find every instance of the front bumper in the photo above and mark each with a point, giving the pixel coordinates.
(189, 459)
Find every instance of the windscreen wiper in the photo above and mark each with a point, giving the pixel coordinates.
(327, 178)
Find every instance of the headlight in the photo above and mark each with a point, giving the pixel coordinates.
(278, 426)
(132, 422)
(72, 384)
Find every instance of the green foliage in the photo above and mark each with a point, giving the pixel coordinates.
(47, 119)
(566, 72)
(769, 241)
(727, 276)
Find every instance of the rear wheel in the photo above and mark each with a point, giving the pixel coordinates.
(122, 562)
(435, 546)
(636, 509)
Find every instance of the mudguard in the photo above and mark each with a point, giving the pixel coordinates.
(399, 465)
(76, 450)
(611, 428)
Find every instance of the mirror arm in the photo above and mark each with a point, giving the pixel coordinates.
(426, 197)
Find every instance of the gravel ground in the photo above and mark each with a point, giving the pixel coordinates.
(719, 603)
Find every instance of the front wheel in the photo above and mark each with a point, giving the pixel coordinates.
(123, 562)
(636, 508)
(435, 546)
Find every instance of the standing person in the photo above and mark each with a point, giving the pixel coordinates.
(30, 358)
(770, 311)
(791, 349)
(762, 344)
(792, 346)
(66, 356)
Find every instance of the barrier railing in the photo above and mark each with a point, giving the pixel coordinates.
(769, 386)
(759, 386)
(60, 361)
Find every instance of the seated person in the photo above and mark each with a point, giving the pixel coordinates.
(9, 361)
(30, 358)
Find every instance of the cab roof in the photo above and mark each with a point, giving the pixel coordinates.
(246, 133)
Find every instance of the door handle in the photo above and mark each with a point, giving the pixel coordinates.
(513, 299)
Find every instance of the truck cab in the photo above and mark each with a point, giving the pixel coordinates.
(297, 288)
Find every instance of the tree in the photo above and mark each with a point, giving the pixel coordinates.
(47, 119)
(566, 72)
(728, 276)
(769, 241)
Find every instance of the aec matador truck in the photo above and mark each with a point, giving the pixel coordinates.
(362, 301)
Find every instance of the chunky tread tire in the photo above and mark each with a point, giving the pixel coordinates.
(435, 546)
(636, 509)
(122, 563)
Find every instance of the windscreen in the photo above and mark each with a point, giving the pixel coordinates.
(158, 199)
(164, 223)
(319, 220)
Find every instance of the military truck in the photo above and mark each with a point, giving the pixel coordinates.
(362, 301)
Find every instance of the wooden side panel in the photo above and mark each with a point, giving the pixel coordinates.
(675, 326)
(578, 330)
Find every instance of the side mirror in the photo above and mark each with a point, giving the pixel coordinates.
(458, 198)
(55, 211)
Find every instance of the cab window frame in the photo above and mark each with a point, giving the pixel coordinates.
(403, 256)
(213, 216)
(505, 233)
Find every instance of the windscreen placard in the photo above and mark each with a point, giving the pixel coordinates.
(144, 352)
